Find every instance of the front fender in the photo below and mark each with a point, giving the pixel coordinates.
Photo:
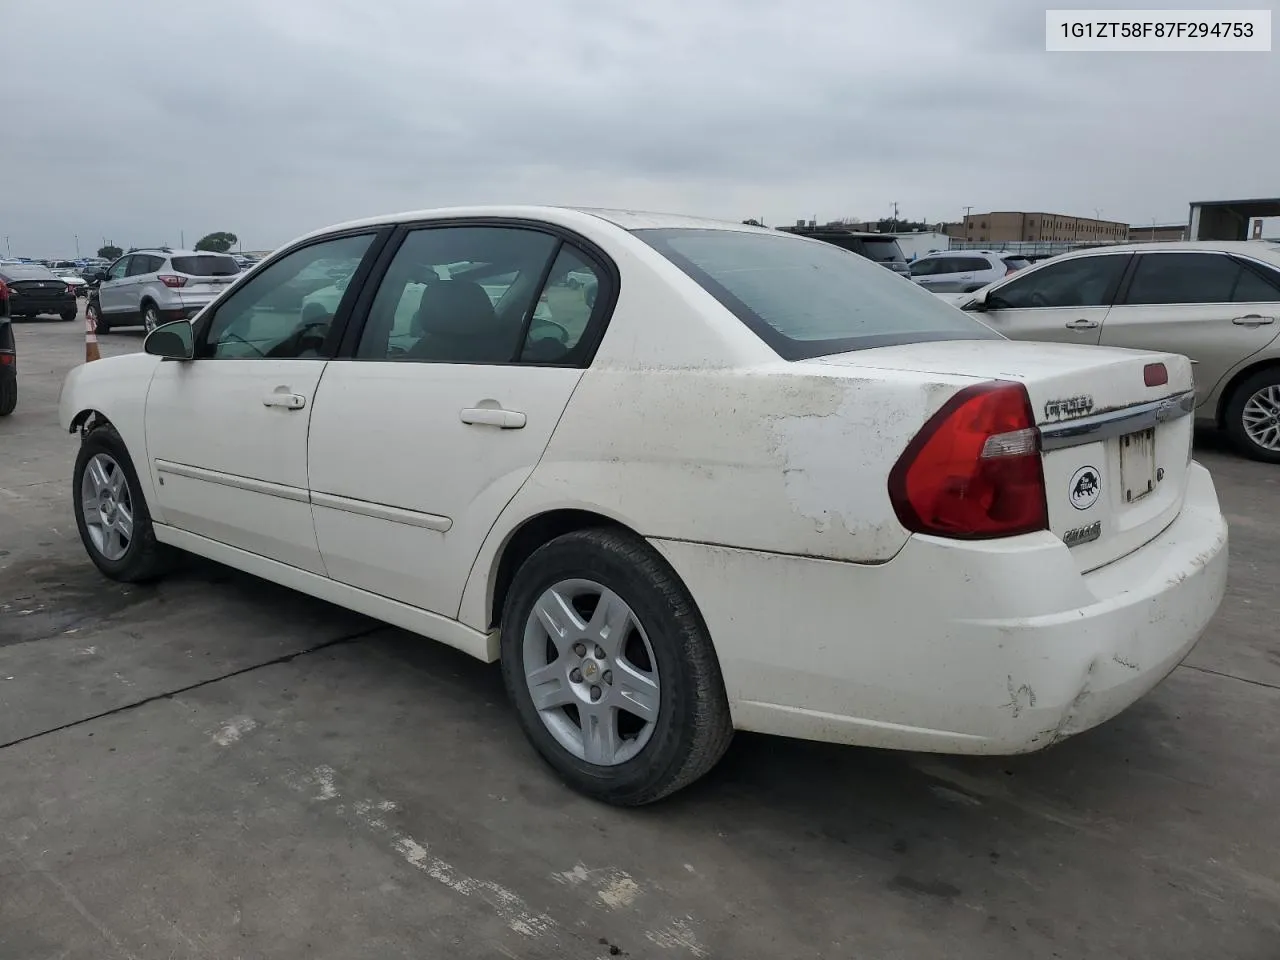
(114, 389)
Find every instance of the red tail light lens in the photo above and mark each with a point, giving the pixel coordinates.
(71, 290)
(974, 471)
(4, 290)
(1155, 374)
(169, 280)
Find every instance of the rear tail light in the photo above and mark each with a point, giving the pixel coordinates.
(71, 290)
(974, 470)
(4, 290)
(1155, 374)
(6, 359)
(169, 280)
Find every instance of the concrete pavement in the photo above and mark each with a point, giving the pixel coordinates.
(213, 767)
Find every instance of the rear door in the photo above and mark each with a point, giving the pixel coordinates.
(457, 381)
(1064, 301)
(1206, 305)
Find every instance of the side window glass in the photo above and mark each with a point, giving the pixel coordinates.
(925, 268)
(1162, 278)
(1079, 282)
(1252, 288)
(118, 268)
(457, 295)
(138, 265)
(285, 310)
(564, 310)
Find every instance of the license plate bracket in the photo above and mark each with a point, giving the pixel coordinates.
(1138, 464)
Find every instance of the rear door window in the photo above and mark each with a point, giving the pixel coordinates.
(1257, 285)
(806, 298)
(1167, 278)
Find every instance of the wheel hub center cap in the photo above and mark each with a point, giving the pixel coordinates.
(590, 670)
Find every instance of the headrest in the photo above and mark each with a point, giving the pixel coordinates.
(456, 308)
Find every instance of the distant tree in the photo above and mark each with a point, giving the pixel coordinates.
(110, 252)
(219, 242)
(131, 249)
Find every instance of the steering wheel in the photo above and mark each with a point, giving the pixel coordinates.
(1038, 299)
(562, 336)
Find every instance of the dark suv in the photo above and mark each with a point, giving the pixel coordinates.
(34, 289)
(881, 248)
(8, 356)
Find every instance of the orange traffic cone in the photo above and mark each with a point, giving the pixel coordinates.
(91, 335)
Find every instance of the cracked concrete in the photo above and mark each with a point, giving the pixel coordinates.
(213, 767)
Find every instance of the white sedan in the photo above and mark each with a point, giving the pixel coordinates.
(752, 482)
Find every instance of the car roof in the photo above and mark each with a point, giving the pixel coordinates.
(20, 271)
(562, 215)
(1247, 248)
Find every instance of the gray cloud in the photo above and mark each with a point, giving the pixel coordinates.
(141, 121)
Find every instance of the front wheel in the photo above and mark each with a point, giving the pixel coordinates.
(111, 512)
(1253, 416)
(611, 669)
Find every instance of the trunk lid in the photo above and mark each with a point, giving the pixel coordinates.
(1115, 451)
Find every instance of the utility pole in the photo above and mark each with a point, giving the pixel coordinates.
(77, 246)
(182, 239)
(8, 249)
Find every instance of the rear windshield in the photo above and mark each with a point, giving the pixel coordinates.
(883, 251)
(806, 298)
(206, 265)
(1016, 263)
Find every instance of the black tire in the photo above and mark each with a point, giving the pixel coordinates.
(693, 728)
(100, 325)
(69, 315)
(1233, 416)
(8, 392)
(150, 316)
(145, 558)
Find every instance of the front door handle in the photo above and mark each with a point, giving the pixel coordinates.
(494, 417)
(290, 401)
(1252, 320)
(1082, 325)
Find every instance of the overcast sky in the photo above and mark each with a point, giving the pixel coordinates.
(145, 120)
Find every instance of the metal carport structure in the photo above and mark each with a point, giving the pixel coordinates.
(1228, 219)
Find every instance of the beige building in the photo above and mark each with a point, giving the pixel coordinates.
(1007, 226)
(1157, 232)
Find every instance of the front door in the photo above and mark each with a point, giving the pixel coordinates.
(463, 368)
(1064, 301)
(111, 291)
(1207, 306)
(227, 432)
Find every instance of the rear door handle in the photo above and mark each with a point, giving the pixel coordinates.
(290, 401)
(494, 417)
(1252, 320)
(1082, 325)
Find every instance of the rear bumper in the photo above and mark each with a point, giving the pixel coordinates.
(20, 306)
(999, 647)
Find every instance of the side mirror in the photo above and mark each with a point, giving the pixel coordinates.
(175, 340)
(977, 303)
(101, 275)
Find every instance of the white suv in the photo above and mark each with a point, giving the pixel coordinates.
(963, 271)
(150, 287)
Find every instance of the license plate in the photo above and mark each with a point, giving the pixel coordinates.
(1138, 464)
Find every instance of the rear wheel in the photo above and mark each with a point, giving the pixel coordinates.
(1253, 416)
(69, 315)
(150, 316)
(8, 392)
(111, 512)
(611, 669)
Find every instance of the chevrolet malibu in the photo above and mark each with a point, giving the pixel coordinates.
(679, 477)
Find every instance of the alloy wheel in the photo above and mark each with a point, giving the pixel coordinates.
(591, 672)
(107, 506)
(1261, 418)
